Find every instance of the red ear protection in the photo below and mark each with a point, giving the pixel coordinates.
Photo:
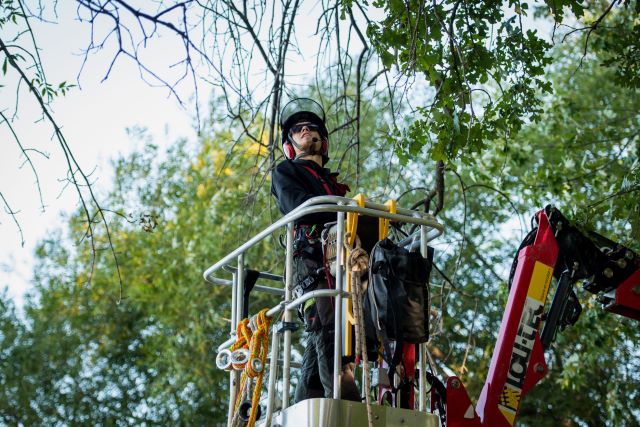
(324, 148)
(289, 152)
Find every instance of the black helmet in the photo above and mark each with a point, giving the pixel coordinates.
(301, 109)
(298, 110)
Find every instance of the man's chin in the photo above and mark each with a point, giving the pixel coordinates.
(309, 145)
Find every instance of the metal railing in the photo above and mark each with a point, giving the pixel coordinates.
(429, 229)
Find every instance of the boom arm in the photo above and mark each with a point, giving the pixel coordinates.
(609, 270)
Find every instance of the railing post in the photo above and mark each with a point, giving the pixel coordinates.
(337, 342)
(286, 368)
(273, 373)
(240, 275)
(422, 361)
(234, 377)
(234, 292)
(240, 288)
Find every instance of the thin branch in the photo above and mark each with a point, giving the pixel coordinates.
(629, 190)
(27, 157)
(72, 166)
(358, 92)
(13, 213)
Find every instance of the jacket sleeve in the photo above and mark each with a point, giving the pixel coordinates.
(291, 193)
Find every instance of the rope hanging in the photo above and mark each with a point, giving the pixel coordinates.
(253, 336)
(358, 263)
(243, 334)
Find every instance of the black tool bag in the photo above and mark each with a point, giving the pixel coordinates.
(396, 303)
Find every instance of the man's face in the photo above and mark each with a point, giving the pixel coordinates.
(303, 134)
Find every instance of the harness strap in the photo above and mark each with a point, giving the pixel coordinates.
(317, 176)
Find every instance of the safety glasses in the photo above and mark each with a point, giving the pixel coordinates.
(297, 128)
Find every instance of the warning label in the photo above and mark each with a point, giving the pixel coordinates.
(540, 281)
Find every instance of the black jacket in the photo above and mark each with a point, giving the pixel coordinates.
(292, 184)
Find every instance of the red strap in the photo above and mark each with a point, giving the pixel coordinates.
(409, 362)
(319, 178)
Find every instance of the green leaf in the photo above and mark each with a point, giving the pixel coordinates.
(456, 123)
(387, 59)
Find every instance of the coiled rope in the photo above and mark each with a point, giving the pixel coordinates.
(253, 335)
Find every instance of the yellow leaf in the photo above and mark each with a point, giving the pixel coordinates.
(200, 191)
(215, 155)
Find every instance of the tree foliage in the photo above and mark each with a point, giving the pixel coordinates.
(582, 155)
(150, 357)
(22, 67)
(512, 123)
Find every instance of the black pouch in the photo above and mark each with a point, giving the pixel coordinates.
(395, 303)
(412, 271)
(310, 318)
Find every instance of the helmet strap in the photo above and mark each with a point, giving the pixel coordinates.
(302, 152)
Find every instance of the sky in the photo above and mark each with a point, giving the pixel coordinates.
(94, 118)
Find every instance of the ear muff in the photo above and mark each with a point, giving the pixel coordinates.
(289, 152)
(324, 148)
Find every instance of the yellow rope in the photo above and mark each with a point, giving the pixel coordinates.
(258, 349)
(257, 342)
(243, 338)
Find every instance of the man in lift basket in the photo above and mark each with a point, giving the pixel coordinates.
(300, 177)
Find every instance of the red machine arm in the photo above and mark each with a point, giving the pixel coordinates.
(609, 270)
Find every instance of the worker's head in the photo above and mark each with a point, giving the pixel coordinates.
(304, 132)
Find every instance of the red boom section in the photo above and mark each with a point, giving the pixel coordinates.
(627, 298)
(518, 359)
(609, 270)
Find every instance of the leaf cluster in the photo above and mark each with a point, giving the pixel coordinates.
(485, 70)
